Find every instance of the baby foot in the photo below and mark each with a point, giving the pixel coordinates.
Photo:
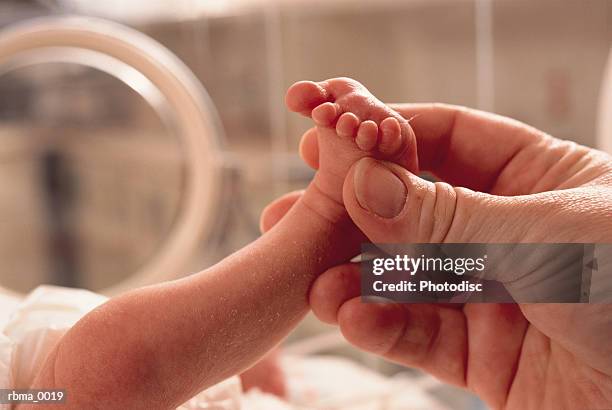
(351, 124)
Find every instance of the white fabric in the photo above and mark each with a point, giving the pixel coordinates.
(36, 325)
(334, 383)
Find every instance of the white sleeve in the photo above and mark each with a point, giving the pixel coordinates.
(33, 327)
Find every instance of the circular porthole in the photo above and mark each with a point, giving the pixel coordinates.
(88, 196)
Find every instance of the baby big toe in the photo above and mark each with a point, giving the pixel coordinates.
(367, 135)
(304, 96)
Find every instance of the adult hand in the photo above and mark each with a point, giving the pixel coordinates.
(503, 182)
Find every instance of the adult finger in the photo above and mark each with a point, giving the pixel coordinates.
(276, 210)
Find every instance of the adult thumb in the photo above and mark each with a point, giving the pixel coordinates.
(391, 205)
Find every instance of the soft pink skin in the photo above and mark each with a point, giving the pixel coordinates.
(155, 347)
(508, 182)
(351, 124)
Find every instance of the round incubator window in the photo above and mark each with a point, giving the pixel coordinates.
(109, 161)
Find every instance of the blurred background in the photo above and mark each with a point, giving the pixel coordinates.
(92, 178)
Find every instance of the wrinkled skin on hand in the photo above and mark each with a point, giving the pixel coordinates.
(502, 181)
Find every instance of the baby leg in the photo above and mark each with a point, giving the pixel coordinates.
(158, 346)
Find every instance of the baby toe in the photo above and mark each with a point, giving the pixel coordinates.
(326, 114)
(304, 96)
(367, 135)
(347, 125)
(390, 136)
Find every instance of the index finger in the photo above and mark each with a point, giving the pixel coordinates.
(467, 147)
